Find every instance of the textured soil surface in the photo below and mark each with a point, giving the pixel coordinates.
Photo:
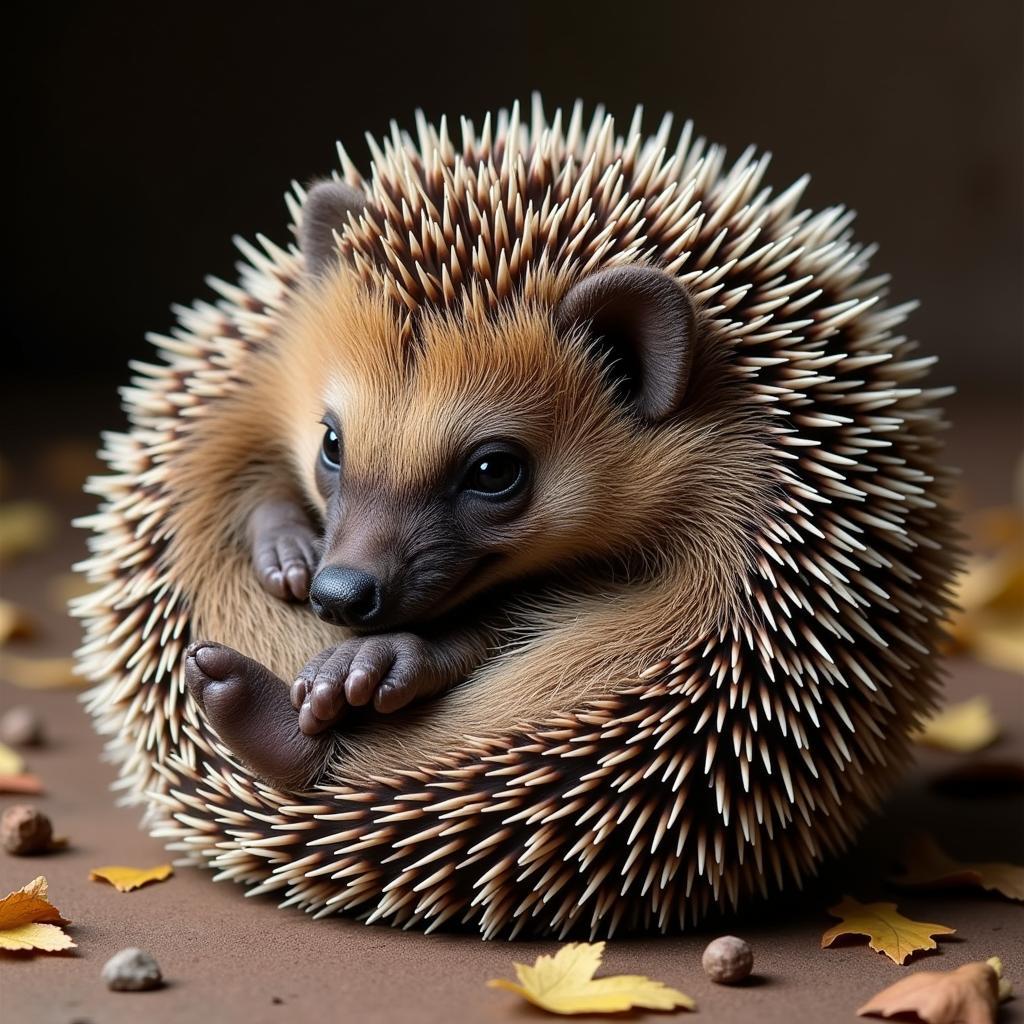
(227, 958)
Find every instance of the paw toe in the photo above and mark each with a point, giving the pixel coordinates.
(215, 661)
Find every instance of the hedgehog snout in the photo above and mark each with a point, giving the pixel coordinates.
(347, 597)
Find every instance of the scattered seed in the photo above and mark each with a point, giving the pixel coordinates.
(132, 970)
(25, 830)
(22, 727)
(727, 960)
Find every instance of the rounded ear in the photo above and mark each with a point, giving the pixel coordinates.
(326, 210)
(643, 319)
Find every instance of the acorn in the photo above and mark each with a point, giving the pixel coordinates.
(731, 766)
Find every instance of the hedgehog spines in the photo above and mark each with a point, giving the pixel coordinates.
(723, 770)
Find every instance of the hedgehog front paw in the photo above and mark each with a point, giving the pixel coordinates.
(283, 550)
(391, 670)
(248, 707)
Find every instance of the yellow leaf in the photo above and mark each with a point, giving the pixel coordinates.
(928, 866)
(40, 673)
(962, 728)
(11, 762)
(565, 983)
(124, 879)
(998, 639)
(24, 526)
(888, 931)
(968, 995)
(28, 920)
(14, 621)
(46, 937)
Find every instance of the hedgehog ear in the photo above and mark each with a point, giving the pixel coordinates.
(326, 210)
(643, 320)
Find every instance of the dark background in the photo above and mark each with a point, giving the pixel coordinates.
(147, 135)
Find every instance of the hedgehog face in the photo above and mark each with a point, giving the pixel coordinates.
(488, 451)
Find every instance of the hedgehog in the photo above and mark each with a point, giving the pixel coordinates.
(624, 440)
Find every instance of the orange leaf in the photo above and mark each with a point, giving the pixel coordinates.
(888, 931)
(928, 866)
(124, 879)
(968, 995)
(29, 921)
(21, 783)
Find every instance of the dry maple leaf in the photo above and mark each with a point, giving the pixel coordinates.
(124, 879)
(888, 931)
(968, 995)
(962, 728)
(40, 673)
(565, 983)
(29, 921)
(927, 865)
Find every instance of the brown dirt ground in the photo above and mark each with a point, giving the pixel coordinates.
(229, 959)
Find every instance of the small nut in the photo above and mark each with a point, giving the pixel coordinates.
(21, 727)
(727, 960)
(25, 830)
(132, 970)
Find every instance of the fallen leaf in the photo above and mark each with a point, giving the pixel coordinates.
(29, 921)
(963, 728)
(11, 762)
(40, 673)
(124, 879)
(990, 593)
(25, 526)
(998, 639)
(969, 995)
(14, 621)
(928, 866)
(565, 983)
(25, 783)
(888, 931)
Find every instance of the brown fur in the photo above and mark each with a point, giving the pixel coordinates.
(676, 494)
(789, 561)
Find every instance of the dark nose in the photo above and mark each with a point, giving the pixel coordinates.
(346, 597)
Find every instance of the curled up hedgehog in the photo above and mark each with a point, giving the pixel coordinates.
(552, 541)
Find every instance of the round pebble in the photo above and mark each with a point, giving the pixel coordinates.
(20, 726)
(132, 970)
(24, 830)
(727, 960)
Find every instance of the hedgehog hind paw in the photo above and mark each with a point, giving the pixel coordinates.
(250, 709)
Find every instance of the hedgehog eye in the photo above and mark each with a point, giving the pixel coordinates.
(498, 474)
(330, 448)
